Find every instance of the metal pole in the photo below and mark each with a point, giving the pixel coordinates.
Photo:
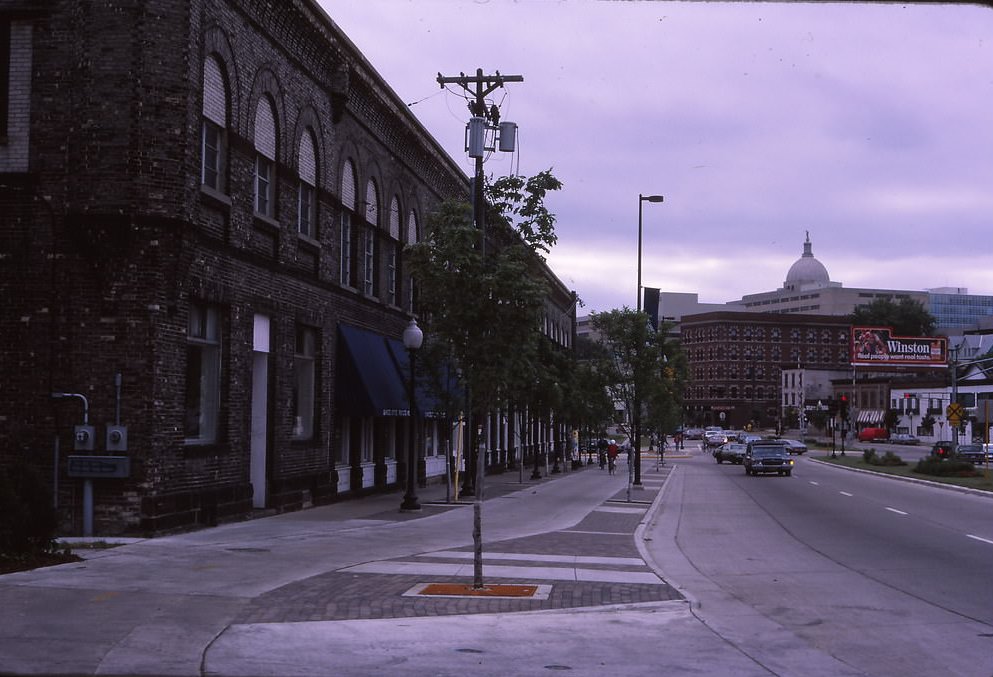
(641, 199)
(955, 392)
(410, 503)
(87, 507)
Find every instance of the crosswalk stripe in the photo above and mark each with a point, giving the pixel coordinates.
(530, 557)
(500, 571)
(626, 511)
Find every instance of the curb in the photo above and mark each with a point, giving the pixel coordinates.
(912, 480)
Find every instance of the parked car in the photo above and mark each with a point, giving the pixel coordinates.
(768, 456)
(973, 452)
(795, 447)
(903, 438)
(732, 452)
(873, 434)
(693, 434)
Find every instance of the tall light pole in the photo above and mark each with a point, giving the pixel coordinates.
(641, 200)
(637, 402)
(412, 338)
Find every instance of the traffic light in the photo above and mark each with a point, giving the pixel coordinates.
(843, 407)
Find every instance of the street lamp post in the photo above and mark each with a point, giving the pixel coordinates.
(641, 200)
(412, 338)
(636, 417)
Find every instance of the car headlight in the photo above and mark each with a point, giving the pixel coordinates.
(791, 461)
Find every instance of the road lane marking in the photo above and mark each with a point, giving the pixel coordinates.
(845, 493)
(980, 538)
(814, 483)
(898, 512)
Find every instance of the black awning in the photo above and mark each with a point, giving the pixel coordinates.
(374, 376)
(369, 380)
(429, 403)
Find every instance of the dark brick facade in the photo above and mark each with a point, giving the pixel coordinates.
(109, 237)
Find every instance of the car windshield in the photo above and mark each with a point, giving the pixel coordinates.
(761, 452)
(969, 448)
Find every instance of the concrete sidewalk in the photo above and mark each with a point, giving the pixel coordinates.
(334, 590)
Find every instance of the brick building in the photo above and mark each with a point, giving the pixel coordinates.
(203, 207)
(736, 361)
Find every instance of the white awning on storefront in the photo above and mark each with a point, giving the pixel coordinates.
(870, 417)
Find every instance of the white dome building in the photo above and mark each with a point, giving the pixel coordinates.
(808, 289)
(807, 271)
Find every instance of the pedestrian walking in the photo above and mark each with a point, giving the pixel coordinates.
(611, 457)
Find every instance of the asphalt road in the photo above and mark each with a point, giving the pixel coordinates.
(887, 577)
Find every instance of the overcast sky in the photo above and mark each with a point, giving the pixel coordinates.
(868, 125)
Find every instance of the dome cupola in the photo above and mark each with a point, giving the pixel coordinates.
(807, 270)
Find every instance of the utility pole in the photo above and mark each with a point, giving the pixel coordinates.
(483, 118)
(478, 87)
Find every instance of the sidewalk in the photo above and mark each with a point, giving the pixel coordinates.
(321, 591)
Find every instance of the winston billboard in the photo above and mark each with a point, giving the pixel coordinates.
(877, 346)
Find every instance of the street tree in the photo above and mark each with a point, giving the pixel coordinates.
(906, 317)
(480, 293)
(589, 404)
(643, 372)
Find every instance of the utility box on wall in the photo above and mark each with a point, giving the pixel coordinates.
(117, 438)
(84, 438)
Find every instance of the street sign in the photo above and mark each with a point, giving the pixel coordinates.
(99, 466)
(955, 412)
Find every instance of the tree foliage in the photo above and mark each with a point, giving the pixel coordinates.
(638, 360)
(486, 311)
(522, 202)
(589, 404)
(906, 317)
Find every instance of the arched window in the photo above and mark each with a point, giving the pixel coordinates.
(411, 238)
(392, 251)
(265, 158)
(213, 134)
(348, 196)
(369, 277)
(307, 199)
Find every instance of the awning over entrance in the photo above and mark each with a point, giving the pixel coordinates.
(369, 382)
(870, 417)
(373, 377)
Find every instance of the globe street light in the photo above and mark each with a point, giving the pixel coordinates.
(637, 402)
(412, 339)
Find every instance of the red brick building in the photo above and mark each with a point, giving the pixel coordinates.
(736, 359)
